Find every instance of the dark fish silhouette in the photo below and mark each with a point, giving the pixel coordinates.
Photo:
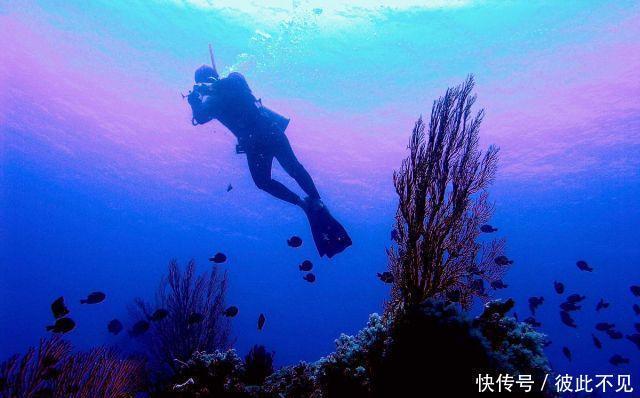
(533, 322)
(566, 352)
(309, 277)
(261, 320)
(62, 325)
(502, 260)
(635, 339)
(570, 307)
(498, 284)
(614, 334)
(602, 305)
(58, 308)
(159, 315)
(583, 266)
(194, 318)
(386, 277)
(231, 311)
(575, 298)
(94, 298)
(394, 235)
(617, 360)
(635, 290)
(559, 286)
(604, 326)
(139, 328)
(486, 228)
(219, 258)
(229, 187)
(453, 296)
(534, 303)
(114, 326)
(50, 374)
(596, 341)
(306, 266)
(567, 320)
(478, 286)
(294, 241)
(636, 309)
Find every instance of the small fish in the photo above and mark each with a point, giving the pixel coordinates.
(575, 298)
(386, 277)
(502, 260)
(229, 187)
(261, 320)
(498, 284)
(478, 286)
(534, 303)
(51, 374)
(294, 241)
(194, 318)
(533, 322)
(583, 266)
(567, 320)
(58, 308)
(139, 328)
(309, 277)
(596, 341)
(618, 360)
(604, 326)
(486, 228)
(566, 352)
(219, 258)
(62, 325)
(635, 339)
(453, 296)
(635, 290)
(614, 334)
(570, 307)
(636, 309)
(231, 311)
(394, 235)
(94, 298)
(602, 305)
(114, 326)
(559, 286)
(159, 315)
(306, 266)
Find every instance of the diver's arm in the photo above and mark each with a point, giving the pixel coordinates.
(201, 109)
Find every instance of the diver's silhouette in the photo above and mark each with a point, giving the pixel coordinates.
(261, 136)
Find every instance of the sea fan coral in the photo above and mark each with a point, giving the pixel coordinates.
(52, 371)
(443, 202)
(184, 293)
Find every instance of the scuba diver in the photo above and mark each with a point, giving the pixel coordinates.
(261, 136)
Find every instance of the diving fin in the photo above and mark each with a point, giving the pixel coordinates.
(329, 235)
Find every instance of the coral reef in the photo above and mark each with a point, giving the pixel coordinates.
(53, 371)
(258, 365)
(429, 347)
(443, 202)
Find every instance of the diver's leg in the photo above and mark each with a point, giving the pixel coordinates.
(260, 168)
(290, 164)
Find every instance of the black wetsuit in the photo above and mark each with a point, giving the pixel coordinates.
(260, 133)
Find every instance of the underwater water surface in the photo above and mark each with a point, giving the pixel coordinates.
(104, 180)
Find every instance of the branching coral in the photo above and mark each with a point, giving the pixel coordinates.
(258, 365)
(443, 201)
(183, 293)
(53, 371)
